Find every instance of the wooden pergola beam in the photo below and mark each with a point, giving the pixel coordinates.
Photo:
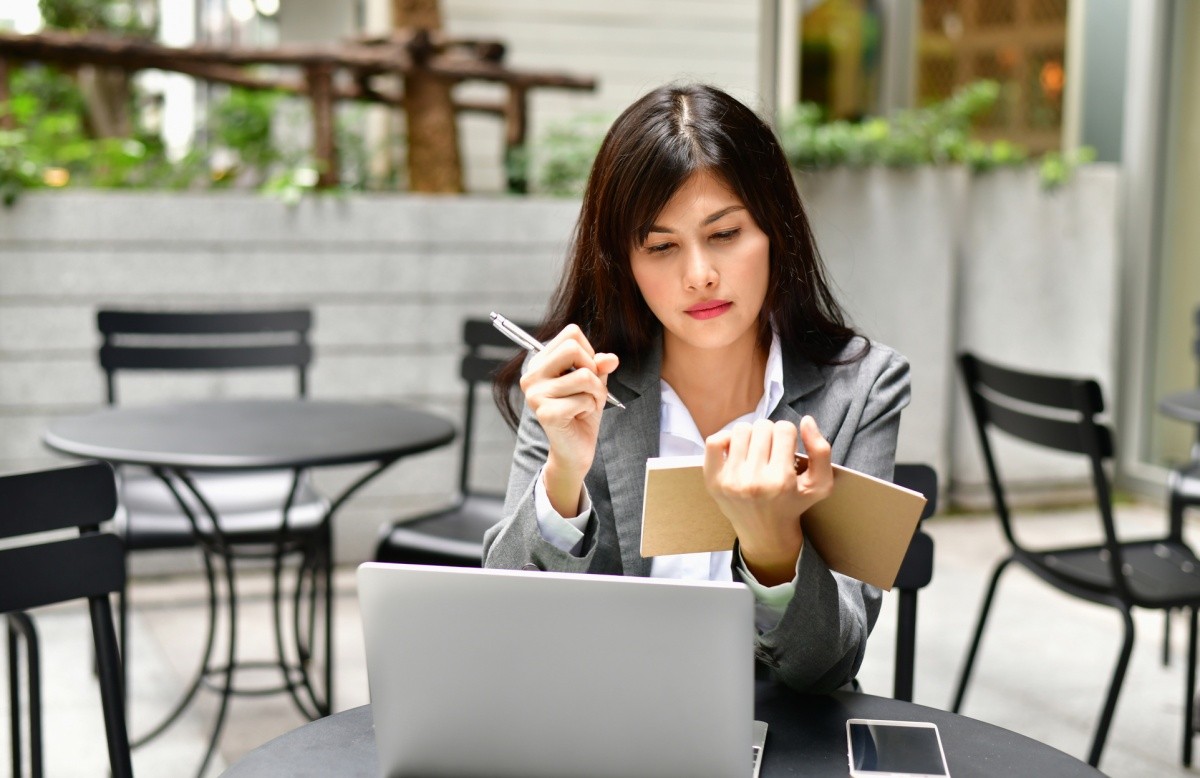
(137, 54)
(420, 52)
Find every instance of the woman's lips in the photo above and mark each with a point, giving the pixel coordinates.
(709, 310)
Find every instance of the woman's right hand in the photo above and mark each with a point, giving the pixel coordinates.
(565, 386)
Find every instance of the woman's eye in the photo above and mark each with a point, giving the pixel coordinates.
(657, 248)
(726, 234)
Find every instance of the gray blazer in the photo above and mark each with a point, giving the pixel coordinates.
(819, 643)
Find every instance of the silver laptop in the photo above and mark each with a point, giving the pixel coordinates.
(506, 673)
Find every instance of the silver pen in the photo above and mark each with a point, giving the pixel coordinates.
(530, 343)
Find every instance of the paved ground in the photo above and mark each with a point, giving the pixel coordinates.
(1042, 672)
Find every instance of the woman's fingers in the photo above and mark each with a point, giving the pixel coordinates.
(562, 356)
(758, 451)
(570, 333)
(819, 475)
(581, 385)
(716, 449)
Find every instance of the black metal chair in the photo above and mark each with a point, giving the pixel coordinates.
(1059, 413)
(454, 536)
(916, 571)
(46, 571)
(250, 505)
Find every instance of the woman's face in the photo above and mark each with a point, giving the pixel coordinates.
(703, 268)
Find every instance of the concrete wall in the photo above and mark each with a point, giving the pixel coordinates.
(389, 280)
(927, 261)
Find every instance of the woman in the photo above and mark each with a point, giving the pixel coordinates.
(694, 293)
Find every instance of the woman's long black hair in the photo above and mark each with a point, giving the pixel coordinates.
(652, 148)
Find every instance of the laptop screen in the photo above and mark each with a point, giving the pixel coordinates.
(512, 673)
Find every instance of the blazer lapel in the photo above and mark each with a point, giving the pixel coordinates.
(627, 439)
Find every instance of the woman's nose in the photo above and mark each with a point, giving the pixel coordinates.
(699, 272)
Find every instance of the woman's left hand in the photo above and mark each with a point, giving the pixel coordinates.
(750, 471)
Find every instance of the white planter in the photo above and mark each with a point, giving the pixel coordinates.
(889, 238)
(1039, 281)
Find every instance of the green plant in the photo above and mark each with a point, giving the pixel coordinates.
(935, 134)
(565, 153)
(291, 183)
(50, 145)
(17, 172)
(241, 123)
(123, 16)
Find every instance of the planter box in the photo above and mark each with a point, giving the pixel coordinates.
(1039, 281)
(890, 241)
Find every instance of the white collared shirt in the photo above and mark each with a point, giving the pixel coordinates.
(679, 436)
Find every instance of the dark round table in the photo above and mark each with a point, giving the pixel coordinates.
(176, 439)
(250, 434)
(806, 736)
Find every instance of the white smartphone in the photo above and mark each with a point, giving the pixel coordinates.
(895, 749)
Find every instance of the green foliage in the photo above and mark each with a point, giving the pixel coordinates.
(565, 154)
(17, 173)
(936, 134)
(1055, 168)
(120, 16)
(241, 123)
(291, 183)
(50, 146)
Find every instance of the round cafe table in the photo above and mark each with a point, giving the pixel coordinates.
(806, 736)
(176, 440)
(1184, 406)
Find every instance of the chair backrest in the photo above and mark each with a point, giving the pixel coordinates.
(1049, 411)
(90, 566)
(916, 571)
(204, 340)
(488, 350)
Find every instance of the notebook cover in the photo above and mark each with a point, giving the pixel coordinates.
(861, 530)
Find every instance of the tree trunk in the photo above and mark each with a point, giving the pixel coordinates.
(107, 96)
(434, 164)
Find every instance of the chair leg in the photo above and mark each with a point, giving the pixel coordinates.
(1114, 689)
(112, 695)
(983, 614)
(14, 696)
(21, 623)
(327, 562)
(906, 646)
(123, 640)
(1175, 509)
(1166, 646)
(1189, 703)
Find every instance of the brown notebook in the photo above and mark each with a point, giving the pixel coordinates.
(861, 530)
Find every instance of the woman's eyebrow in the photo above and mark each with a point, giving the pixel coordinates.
(707, 220)
(722, 212)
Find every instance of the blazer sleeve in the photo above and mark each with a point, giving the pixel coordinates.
(819, 643)
(516, 541)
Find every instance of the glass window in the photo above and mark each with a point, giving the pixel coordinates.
(1019, 43)
(840, 48)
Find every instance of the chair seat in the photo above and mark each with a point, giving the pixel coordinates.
(451, 537)
(1161, 573)
(249, 506)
